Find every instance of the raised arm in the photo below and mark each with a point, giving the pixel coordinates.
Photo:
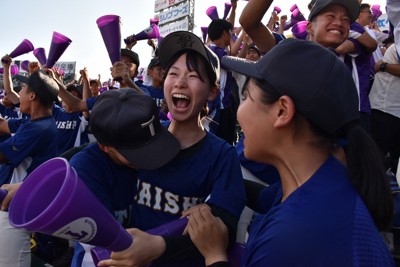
(7, 81)
(250, 19)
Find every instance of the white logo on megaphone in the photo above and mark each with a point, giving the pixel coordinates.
(82, 229)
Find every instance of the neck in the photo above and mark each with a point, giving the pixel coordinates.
(188, 134)
(219, 43)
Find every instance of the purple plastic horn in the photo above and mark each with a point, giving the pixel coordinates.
(24, 65)
(277, 9)
(13, 70)
(228, 7)
(293, 8)
(24, 47)
(154, 21)
(299, 30)
(212, 13)
(59, 44)
(54, 201)
(289, 24)
(151, 32)
(297, 15)
(110, 28)
(204, 32)
(376, 12)
(40, 54)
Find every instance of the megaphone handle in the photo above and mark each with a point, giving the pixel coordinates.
(99, 254)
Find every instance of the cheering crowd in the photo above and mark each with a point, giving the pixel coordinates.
(286, 147)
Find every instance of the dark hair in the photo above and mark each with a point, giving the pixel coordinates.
(46, 100)
(195, 62)
(217, 28)
(94, 81)
(365, 6)
(365, 164)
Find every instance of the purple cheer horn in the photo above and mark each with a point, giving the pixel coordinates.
(376, 12)
(204, 32)
(151, 32)
(293, 8)
(297, 16)
(228, 7)
(154, 21)
(212, 12)
(299, 30)
(59, 44)
(54, 201)
(24, 47)
(24, 65)
(277, 9)
(110, 29)
(289, 24)
(13, 70)
(40, 54)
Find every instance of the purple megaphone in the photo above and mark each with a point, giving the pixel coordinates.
(277, 9)
(293, 8)
(212, 12)
(228, 7)
(59, 44)
(110, 29)
(154, 21)
(204, 32)
(13, 70)
(151, 32)
(40, 54)
(168, 229)
(289, 24)
(25, 65)
(3, 194)
(299, 30)
(24, 47)
(297, 16)
(54, 201)
(376, 12)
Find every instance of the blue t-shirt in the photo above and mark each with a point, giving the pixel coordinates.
(322, 223)
(33, 143)
(158, 95)
(70, 129)
(114, 186)
(208, 171)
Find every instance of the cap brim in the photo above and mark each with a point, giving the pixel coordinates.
(22, 78)
(242, 66)
(154, 155)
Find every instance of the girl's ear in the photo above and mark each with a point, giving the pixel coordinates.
(286, 111)
(310, 28)
(213, 93)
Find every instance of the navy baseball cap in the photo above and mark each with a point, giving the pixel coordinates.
(352, 7)
(153, 62)
(179, 41)
(128, 121)
(132, 55)
(318, 82)
(42, 84)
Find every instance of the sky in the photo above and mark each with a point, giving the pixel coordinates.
(76, 19)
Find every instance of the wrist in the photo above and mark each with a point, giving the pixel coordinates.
(221, 257)
(382, 67)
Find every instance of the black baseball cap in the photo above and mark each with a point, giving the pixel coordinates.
(154, 62)
(255, 48)
(319, 83)
(352, 7)
(179, 41)
(132, 55)
(42, 84)
(128, 121)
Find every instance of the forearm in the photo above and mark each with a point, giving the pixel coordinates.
(345, 48)
(8, 86)
(74, 103)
